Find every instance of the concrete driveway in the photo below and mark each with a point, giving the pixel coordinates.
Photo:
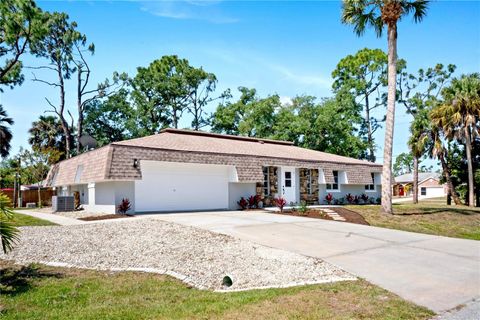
(439, 273)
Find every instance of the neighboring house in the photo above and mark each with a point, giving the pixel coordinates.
(183, 170)
(428, 185)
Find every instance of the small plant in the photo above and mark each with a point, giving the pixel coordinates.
(350, 198)
(252, 201)
(372, 201)
(124, 206)
(329, 198)
(379, 200)
(356, 199)
(280, 203)
(303, 207)
(364, 198)
(242, 203)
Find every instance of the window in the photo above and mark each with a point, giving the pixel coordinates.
(309, 181)
(371, 187)
(423, 191)
(288, 179)
(266, 181)
(333, 186)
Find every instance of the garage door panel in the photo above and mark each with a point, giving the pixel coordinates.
(167, 186)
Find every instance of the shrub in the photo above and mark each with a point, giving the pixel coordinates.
(303, 207)
(364, 198)
(329, 198)
(253, 201)
(124, 206)
(280, 203)
(242, 203)
(379, 200)
(350, 198)
(76, 200)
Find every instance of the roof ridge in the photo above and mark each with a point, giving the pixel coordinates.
(224, 136)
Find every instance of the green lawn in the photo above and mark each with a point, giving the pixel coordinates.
(430, 216)
(39, 292)
(21, 220)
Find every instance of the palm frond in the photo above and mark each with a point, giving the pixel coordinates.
(8, 232)
(418, 7)
(362, 14)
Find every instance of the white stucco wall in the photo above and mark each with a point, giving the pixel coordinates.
(238, 190)
(172, 186)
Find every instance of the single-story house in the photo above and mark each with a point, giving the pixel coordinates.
(184, 170)
(429, 185)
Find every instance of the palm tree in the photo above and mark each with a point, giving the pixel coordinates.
(458, 117)
(437, 150)
(5, 133)
(47, 134)
(377, 14)
(8, 232)
(418, 141)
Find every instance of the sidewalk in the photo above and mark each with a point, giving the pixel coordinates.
(60, 220)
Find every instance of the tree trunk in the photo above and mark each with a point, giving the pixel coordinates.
(80, 110)
(415, 179)
(39, 196)
(468, 148)
(369, 130)
(65, 127)
(446, 172)
(389, 126)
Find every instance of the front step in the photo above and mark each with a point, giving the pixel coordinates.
(332, 214)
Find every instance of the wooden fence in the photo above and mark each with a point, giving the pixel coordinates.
(32, 196)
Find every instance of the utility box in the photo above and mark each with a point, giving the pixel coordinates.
(63, 203)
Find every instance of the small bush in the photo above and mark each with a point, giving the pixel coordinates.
(350, 198)
(329, 198)
(364, 198)
(303, 207)
(280, 203)
(379, 200)
(242, 203)
(124, 206)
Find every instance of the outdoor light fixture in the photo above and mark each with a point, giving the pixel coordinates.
(135, 163)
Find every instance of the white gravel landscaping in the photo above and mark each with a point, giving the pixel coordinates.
(71, 214)
(198, 257)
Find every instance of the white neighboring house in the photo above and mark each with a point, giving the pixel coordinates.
(183, 170)
(429, 185)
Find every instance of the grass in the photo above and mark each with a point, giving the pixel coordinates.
(431, 216)
(40, 292)
(22, 220)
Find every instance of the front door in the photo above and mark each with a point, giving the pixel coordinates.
(289, 185)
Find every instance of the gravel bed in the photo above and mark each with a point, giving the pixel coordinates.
(198, 257)
(72, 214)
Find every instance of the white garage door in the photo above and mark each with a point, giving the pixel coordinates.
(170, 186)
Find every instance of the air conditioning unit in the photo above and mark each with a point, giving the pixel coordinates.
(63, 203)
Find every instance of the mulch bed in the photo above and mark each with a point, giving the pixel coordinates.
(310, 213)
(350, 216)
(106, 217)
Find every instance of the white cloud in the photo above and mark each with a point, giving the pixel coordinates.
(303, 79)
(206, 10)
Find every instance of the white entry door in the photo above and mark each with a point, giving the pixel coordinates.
(289, 190)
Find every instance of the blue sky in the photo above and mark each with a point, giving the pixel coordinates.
(288, 47)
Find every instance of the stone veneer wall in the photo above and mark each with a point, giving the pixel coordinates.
(273, 176)
(310, 198)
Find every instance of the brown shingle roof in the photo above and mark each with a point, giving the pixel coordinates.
(248, 155)
(187, 140)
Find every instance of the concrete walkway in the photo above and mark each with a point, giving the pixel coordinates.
(61, 220)
(439, 273)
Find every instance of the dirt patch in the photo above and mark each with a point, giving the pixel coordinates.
(310, 213)
(350, 216)
(106, 217)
